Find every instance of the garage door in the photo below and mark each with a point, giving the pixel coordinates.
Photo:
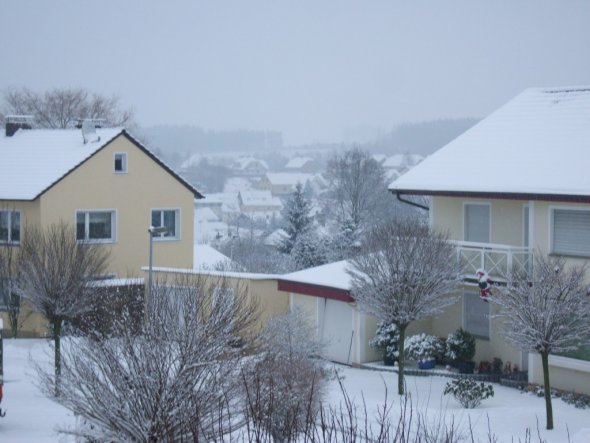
(336, 330)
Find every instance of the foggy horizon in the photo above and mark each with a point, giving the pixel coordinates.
(326, 71)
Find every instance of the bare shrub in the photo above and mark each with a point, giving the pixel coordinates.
(176, 379)
(285, 383)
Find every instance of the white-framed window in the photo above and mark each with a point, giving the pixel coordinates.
(477, 222)
(168, 218)
(476, 315)
(96, 226)
(10, 227)
(120, 162)
(570, 232)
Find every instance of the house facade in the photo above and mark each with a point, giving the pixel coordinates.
(281, 184)
(107, 185)
(513, 186)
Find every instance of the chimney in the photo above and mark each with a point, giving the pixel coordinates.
(16, 122)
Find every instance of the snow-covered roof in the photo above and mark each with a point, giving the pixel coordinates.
(513, 151)
(276, 238)
(206, 257)
(205, 214)
(33, 160)
(249, 162)
(288, 178)
(260, 198)
(395, 161)
(379, 158)
(227, 200)
(331, 275)
(114, 282)
(298, 162)
(193, 160)
(230, 274)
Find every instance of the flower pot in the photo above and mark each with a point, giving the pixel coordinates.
(388, 361)
(466, 367)
(426, 364)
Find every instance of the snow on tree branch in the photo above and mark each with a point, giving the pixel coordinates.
(173, 378)
(548, 310)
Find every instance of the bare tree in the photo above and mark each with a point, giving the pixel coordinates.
(9, 296)
(176, 378)
(357, 192)
(252, 255)
(63, 108)
(406, 272)
(286, 384)
(55, 270)
(356, 183)
(546, 312)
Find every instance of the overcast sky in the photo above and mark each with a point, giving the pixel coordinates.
(317, 70)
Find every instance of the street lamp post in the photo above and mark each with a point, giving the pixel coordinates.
(153, 231)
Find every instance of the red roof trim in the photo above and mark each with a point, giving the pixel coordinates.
(315, 290)
(498, 195)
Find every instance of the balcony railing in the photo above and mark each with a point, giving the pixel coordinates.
(497, 260)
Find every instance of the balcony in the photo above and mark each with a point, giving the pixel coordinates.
(497, 260)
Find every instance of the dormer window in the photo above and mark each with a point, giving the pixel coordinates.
(120, 163)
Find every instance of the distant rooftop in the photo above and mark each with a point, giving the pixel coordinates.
(298, 162)
(288, 178)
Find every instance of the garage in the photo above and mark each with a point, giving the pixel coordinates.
(323, 293)
(336, 329)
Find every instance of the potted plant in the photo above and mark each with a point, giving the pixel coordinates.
(386, 340)
(423, 348)
(461, 349)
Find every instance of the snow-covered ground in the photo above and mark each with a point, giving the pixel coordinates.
(31, 417)
(509, 412)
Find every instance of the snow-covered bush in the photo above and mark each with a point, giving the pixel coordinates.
(423, 347)
(461, 345)
(468, 392)
(386, 340)
(174, 377)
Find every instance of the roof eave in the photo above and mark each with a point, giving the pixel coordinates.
(569, 198)
(314, 290)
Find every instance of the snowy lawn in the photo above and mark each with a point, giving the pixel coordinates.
(31, 417)
(509, 412)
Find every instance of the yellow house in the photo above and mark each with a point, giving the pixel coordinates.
(106, 184)
(515, 183)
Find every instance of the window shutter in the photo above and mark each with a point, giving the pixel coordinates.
(571, 232)
(477, 223)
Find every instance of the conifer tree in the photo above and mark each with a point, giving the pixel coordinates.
(297, 217)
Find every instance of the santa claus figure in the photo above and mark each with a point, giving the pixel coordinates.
(485, 284)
